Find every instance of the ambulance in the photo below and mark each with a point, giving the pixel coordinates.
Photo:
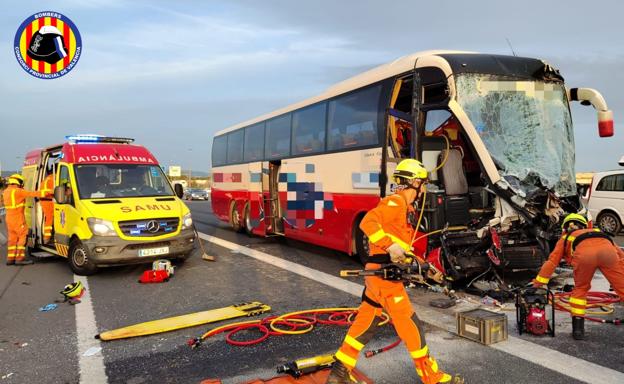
(113, 205)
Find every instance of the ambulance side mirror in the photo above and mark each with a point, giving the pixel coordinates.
(179, 190)
(59, 195)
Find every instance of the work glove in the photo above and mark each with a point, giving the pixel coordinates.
(434, 274)
(534, 284)
(397, 253)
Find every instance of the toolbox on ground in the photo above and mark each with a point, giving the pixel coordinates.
(482, 326)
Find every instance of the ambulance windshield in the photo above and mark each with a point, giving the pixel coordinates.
(99, 181)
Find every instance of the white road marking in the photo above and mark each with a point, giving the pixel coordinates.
(568, 365)
(92, 369)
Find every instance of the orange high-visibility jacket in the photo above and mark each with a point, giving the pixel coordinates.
(564, 249)
(387, 224)
(14, 202)
(48, 186)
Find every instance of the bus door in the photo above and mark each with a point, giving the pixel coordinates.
(270, 194)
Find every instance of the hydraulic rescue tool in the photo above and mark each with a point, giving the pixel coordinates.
(413, 273)
(531, 314)
(301, 367)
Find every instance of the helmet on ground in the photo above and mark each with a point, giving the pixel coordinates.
(73, 290)
(574, 218)
(409, 169)
(16, 179)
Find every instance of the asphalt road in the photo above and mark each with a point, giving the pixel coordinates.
(48, 346)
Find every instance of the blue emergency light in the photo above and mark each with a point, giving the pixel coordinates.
(91, 138)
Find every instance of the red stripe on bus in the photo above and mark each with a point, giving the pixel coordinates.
(29, 34)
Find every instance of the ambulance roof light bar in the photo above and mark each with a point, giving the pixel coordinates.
(97, 139)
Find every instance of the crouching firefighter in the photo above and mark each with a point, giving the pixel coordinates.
(390, 231)
(586, 250)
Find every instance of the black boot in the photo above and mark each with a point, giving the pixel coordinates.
(24, 262)
(339, 374)
(578, 328)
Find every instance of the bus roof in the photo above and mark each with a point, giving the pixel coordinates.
(396, 67)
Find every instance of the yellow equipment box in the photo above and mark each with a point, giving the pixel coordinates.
(482, 326)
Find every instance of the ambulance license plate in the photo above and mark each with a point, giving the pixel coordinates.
(153, 251)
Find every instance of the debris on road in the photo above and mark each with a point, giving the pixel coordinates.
(92, 351)
(48, 308)
(7, 376)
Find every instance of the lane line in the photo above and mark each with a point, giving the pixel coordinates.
(567, 365)
(92, 368)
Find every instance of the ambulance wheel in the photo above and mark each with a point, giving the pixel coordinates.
(79, 259)
(235, 219)
(247, 220)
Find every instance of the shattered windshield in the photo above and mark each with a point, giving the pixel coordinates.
(526, 127)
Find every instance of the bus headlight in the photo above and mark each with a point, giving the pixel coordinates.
(187, 221)
(101, 227)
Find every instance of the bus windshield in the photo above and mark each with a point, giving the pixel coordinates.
(527, 128)
(98, 181)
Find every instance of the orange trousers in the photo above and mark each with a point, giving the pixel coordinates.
(391, 297)
(47, 206)
(16, 237)
(603, 256)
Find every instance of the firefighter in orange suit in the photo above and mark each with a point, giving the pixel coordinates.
(586, 250)
(14, 200)
(47, 205)
(390, 231)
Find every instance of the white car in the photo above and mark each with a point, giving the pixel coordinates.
(606, 200)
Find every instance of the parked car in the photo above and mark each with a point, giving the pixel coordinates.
(606, 200)
(196, 194)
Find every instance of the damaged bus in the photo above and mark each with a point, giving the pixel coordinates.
(495, 133)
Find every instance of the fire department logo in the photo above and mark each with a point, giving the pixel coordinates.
(47, 45)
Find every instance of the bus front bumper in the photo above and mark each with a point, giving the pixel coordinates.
(110, 251)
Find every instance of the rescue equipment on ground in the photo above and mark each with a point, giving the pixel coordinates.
(531, 314)
(185, 321)
(302, 367)
(294, 323)
(598, 304)
(163, 265)
(317, 377)
(205, 256)
(151, 276)
(73, 292)
(482, 326)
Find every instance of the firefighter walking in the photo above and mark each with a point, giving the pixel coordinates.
(586, 250)
(14, 200)
(389, 230)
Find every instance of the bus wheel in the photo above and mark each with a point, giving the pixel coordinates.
(235, 219)
(79, 259)
(247, 220)
(361, 245)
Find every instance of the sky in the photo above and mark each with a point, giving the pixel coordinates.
(172, 73)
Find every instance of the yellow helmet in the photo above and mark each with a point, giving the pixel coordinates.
(409, 169)
(574, 217)
(73, 290)
(16, 179)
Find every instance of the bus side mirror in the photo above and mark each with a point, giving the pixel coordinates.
(59, 194)
(179, 190)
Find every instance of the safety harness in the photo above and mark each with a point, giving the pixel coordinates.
(576, 240)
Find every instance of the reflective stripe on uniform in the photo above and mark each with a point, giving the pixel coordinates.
(351, 341)
(419, 354)
(375, 237)
(13, 205)
(542, 280)
(574, 300)
(434, 365)
(577, 311)
(402, 243)
(345, 359)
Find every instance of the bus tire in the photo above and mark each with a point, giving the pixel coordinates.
(79, 259)
(247, 220)
(361, 244)
(235, 219)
